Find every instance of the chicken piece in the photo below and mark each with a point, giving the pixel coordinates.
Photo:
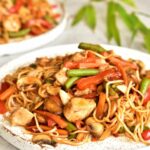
(21, 117)
(96, 128)
(52, 90)
(12, 23)
(61, 76)
(52, 106)
(82, 92)
(78, 108)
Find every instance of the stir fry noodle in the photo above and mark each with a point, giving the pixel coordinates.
(82, 97)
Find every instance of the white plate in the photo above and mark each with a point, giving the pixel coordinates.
(37, 41)
(15, 136)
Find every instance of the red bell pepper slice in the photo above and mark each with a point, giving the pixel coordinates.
(17, 6)
(86, 82)
(146, 135)
(2, 107)
(4, 86)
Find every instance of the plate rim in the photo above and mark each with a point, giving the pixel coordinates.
(18, 47)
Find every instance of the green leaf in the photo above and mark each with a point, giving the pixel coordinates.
(79, 16)
(147, 40)
(112, 28)
(130, 2)
(127, 18)
(90, 16)
(110, 11)
(138, 25)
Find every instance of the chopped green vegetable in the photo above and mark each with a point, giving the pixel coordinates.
(33, 66)
(71, 127)
(50, 19)
(71, 136)
(70, 82)
(93, 47)
(20, 33)
(82, 72)
(121, 130)
(144, 85)
(132, 128)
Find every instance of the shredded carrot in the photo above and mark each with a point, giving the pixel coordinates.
(123, 62)
(122, 71)
(80, 136)
(45, 128)
(100, 106)
(62, 123)
(11, 90)
(62, 132)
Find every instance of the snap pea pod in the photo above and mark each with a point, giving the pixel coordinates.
(144, 85)
(20, 33)
(82, 72)
(50, 19)
(92, 47)
(70, 82)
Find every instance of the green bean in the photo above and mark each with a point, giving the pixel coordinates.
(82, 72)
(70, 82)
(71, 127)
(92, 47)
(144, 85)
(20, 33)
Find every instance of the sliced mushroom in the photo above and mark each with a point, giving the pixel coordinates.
(21, 117)
(78, 108)
(41, 139)
(52, 106)
(65, 97)
(94, 127)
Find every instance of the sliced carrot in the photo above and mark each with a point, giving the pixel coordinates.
(62, 132)
(62, 123)
(34, 128)
(123, 62)
(11, 90)
(122, 71)
(100, 106)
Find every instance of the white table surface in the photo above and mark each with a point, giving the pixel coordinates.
(82, 33)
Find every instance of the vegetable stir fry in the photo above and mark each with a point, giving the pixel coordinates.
(86, 96)
(21, 18)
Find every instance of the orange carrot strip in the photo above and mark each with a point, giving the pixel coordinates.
(62, 123)
(8, 92)
(45, 128)
(123, 62)
(100, 106)
(122, 71)
(62, 132)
